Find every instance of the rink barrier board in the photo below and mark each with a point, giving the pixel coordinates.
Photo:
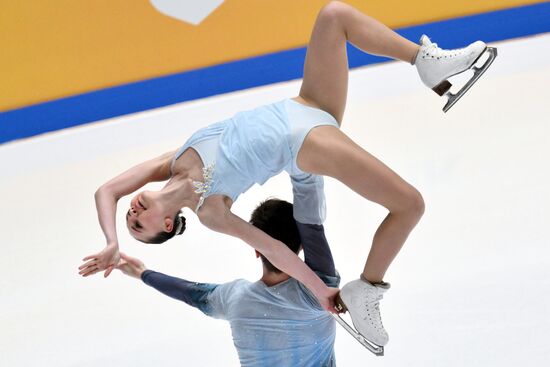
(251, 72)
(60, 48)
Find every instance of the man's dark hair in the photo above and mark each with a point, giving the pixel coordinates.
(162, 236)
(275, 217)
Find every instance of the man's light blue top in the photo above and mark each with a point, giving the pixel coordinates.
(281, 325)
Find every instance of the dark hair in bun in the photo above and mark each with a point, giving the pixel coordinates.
(177, 229)
(180, 225)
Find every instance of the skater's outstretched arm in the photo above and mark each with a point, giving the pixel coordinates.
(106, 199)
(192, 293)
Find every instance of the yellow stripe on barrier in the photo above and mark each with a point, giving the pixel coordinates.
(57, 48)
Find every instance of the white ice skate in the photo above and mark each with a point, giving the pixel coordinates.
(361, 299)
(436, 65)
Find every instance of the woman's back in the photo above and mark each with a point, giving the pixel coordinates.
(248, 148)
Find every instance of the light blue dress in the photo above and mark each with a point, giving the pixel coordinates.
(255, 145)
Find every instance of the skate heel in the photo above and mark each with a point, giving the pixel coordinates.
(442, 87)
(340, 305)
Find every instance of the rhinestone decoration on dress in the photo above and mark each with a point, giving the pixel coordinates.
(202, 187)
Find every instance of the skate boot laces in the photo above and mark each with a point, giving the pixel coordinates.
(432, 51)
(373, 314)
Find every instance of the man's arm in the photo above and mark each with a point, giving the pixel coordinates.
(317, 254)
(194, 294)
(309, 212)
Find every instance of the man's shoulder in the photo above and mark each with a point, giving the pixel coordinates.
(245, 300)
(224, 296)
(237, 284)
(287, 292)
(234, 288)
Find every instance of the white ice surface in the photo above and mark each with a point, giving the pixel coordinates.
(471, 287)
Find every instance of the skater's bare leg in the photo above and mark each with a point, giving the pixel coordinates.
(325, 81)
(373, 180)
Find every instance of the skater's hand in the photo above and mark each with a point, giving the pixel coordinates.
(104, 260)
(131, 266)
(328, 301)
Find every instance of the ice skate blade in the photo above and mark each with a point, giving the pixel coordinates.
(478, 72)
(375, 349)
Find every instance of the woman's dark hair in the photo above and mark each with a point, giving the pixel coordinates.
(275, 217)
(177, 229)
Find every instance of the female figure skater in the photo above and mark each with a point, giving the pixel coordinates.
(302, 136)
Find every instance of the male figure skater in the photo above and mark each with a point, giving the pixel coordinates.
(275, 321)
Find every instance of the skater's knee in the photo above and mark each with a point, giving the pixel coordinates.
(333, 12)
(415, 205)
(411, 203)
